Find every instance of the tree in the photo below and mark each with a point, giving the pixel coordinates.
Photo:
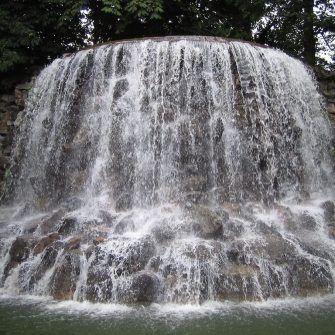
(35, 31)
(302, 28)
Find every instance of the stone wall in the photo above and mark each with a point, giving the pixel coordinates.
(327, 87)
(11, 110)
(12, 106)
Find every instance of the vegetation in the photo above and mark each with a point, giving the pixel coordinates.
(34, 31)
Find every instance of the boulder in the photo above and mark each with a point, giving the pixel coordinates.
(20, 249)
(232, 229)
(125, 225)
(329, 211)
(67, 226)
(99, 284)
(50, 223)
(65, 276)
(307, 276)
(135, 257)
(163, 232)
(73, 243)
(307, 221)
(45, 242)
(208, 222)
(145, 287)
(48, 259)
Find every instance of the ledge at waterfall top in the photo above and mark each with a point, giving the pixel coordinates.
(171, 170)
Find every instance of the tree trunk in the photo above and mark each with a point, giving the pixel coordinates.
(309, 38)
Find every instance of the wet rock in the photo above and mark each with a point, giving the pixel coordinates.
(237, 287)
(30, 226)
(45, 242)
(195, 184)
(232, 229)
(50, 224)
(123, 202)
(64, 279)
(20, 249)
(163, 232)
(287, 218)
(73, 243)
(331, 232)
(48, 259)
(154, 263)
(73, 203)
(89, 252)
(107, 218)
(208, 222)
(67, 226)
(99, 240)
(202, 253)
(265, 229)
(145, 287)
(120, 88)
(307, 221)
(125, 225)
(273, 248)
(135, 257)
(99, 284)
(308, 277)
(329, 211)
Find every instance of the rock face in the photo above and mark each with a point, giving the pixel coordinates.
(11, 115)
(169, 170)
(326, 80)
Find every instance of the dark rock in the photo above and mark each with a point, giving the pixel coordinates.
(120, 88)
(30, 226)
(48, 259)
(99, 240)
(287, 218)
(64, 279)
(99, 284)
(123, 202)
(307, 277)
(67, 226)
(50, 224)
(107, 218)
(307, 221)
(237, 287)
(126, 224)
(163, 232)
(154, 263)
(208, 222)
(20, 249)
(331, 232)
(136, 256)
(202, 253)
(45, 242)
(89, 251)
(265, 229)
(329, 211)
(73, 243)
(145, 287)
(232, 229)
(73, 203)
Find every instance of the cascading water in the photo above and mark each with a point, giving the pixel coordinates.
(171, 170)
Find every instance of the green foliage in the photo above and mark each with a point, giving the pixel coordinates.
(34, 31)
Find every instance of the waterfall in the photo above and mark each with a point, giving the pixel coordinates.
(171, 170)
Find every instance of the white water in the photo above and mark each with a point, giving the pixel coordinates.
(150, 146)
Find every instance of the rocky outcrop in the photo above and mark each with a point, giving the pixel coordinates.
(11, 113)
(326, 81)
